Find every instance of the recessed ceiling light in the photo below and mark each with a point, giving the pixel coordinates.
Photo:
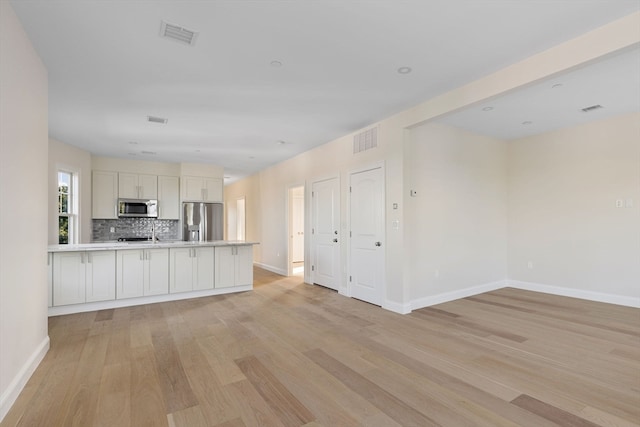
(154, 119)
(487, 109)
(132, 154)
(150, 153)
(281, 142)
(276, 64)
(556, 86)
(527, 123)
(133, 142)
(404, 70)
(227, 177)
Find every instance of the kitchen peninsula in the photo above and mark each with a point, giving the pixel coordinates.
(97, 276)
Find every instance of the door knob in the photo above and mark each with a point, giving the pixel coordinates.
(335, 232)
(335, 240)
(378, 243)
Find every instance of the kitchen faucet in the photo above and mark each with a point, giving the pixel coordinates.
(153, 231)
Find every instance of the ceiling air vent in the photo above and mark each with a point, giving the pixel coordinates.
(153, 119)
(366, 140)
(593, 107)
(178, 33)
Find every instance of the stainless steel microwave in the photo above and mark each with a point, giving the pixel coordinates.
(137, 208)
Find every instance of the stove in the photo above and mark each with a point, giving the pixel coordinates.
(134, 239)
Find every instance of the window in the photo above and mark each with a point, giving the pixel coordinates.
(66, 208)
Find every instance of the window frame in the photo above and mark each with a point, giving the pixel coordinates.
(72, 205)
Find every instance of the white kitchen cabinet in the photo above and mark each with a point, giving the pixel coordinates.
(168, 197)
(142, 272)
(201, 189)
(104, 195)
(191, 269)
(137, 186)
(233, 266)
(80, 277)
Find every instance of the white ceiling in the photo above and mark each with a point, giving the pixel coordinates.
(226, 104)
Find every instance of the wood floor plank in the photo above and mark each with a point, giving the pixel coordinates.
(284, 404)
(147, 400)
(288, 353)
(380, 398)
(550, 412)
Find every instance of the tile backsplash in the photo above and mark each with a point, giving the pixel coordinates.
(166, 229)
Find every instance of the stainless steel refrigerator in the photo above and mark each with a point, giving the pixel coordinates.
(202, 221)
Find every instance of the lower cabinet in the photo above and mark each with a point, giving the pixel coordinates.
(234, 266)
(142, 272)
(191, 269)
(80, 277)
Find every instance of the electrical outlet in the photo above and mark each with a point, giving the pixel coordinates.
(619, 203)
(112, 230)
(629, 203)
(530, 265)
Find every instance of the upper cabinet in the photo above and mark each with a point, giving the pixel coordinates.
(168, 197)
(201, 189)
(134, 186)
(104, 202)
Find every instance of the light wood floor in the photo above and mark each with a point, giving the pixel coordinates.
(290, 354)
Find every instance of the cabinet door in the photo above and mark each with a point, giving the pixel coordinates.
(104, 201)
(212, 189)
(156, 281)
(148, 186)
(129, 273)
(68, 278)
(225, 267)
(204, 268)
(244, 265)
(101, 275)
(191, 188)
(127, 185)
(181, 270)
(168, 197)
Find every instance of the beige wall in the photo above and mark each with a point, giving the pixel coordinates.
(72, 159)
(563, 187)
(456, 226)
(23, 218)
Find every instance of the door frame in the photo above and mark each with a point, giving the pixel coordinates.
(371, 166)
(289, 221)
(308, 243)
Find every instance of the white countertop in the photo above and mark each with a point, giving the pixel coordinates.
(106, 246)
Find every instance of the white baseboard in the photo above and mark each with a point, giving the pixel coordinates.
(280, 271)
(454, 295)
(9, 396)
(397, 307)
(130, 302)
(576, 293)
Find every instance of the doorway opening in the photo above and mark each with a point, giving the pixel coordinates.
(296, 231)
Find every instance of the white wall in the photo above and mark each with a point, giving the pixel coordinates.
(266, 191)
(23, 218)
(456, 226)
(563, 187)
(67, 157)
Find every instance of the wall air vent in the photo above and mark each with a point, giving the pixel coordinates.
(153, 119)
(178, 33)
(365, 140)
(149, 153)
(593, 107)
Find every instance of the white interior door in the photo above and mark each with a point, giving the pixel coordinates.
(325, 232)
(297, 225)
(367, 232)
(240, 219)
